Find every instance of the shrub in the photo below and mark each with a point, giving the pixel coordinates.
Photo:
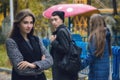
(2, 39)
(4, 61)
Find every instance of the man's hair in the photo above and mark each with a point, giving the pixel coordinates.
(61, 14)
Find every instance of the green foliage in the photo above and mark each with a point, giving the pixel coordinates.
(4, 61)
(2, 39)
(37, 8)
(48, 73)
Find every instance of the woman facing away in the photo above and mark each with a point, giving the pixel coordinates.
(99, 49)
(26, 52)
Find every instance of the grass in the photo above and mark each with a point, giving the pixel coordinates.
(4, 61)
(48, 73)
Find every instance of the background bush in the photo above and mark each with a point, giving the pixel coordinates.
(4, 61)
(2, 39)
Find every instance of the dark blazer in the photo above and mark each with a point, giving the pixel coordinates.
(59, 48)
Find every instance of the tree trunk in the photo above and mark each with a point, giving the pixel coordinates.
(15, 6)
(114, 7)
(89, 2)
(4, 10)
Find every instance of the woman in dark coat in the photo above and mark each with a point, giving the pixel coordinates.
(26, 52)
(60, 46)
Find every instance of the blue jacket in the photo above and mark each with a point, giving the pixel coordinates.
(98, 67)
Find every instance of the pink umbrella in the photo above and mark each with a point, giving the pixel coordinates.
(71, 9)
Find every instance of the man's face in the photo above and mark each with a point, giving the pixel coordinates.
(56, 21)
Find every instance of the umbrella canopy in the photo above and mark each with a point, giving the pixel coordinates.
(71, 9)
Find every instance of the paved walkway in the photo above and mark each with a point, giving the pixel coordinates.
(5, 76)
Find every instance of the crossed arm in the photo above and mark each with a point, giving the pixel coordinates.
(23, 67)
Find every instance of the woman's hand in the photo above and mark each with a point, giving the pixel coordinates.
(43, 57)
(24, 64)
(52, 38)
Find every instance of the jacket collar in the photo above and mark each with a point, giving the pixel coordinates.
(61, 26)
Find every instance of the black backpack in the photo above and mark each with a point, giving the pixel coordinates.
(71, 61)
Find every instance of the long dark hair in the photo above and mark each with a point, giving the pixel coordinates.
(18, 18)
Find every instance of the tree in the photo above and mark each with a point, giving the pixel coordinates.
(4, 7)
(114, 7)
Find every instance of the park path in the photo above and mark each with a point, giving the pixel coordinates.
(5, 76)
